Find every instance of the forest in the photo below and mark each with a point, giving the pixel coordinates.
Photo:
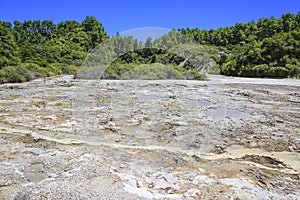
(269, 47)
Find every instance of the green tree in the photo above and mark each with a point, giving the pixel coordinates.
(148, 43)
(94, 30)
(9, 51)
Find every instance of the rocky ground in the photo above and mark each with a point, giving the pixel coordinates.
(224, 138)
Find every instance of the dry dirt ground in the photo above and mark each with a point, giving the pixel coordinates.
(224, 138)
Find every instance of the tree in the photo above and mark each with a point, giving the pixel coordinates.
(9, 51)
(95, 30)
(288, 22)
(148, 43)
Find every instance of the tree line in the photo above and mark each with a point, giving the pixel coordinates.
(117, 56)
(37, 48)
(269, 47)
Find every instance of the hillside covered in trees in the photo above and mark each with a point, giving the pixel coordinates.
(36, 48)
(269, 47)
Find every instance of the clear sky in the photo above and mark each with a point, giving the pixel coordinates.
(119, 16)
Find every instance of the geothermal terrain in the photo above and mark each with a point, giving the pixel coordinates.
(222, 138)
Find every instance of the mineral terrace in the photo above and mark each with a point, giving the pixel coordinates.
(223, 138)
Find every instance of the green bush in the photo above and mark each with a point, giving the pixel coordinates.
(229, 68)
(60, 68)
(69, 69)
(55, 68)
(294, 72)
(193, 75)
(28, 71)
(35, 70)
(260, 70)
(277, 72)
(3, 76)
(16, 74)
(117, 69)
(152, 72)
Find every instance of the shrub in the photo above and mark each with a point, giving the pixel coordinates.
(69, 69)
(55, 68)
(16, 74)
(193, 75)
(3, 76)
(279, 72)
(119, 69)
(152, 72)
(35, 70)
(260, 70)
(294, 72)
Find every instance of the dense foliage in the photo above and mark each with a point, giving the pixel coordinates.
(37, 48)
(269, 47)
(119, 55)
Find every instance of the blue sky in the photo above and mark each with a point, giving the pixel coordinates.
(124, 15)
